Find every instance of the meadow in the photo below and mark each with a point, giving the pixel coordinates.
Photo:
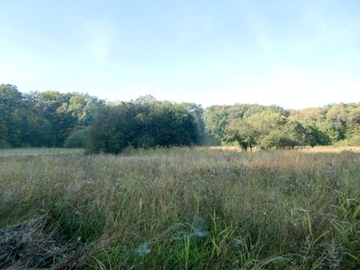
(180, 208)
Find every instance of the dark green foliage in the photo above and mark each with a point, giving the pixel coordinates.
(197, 111)
(277, 139)
(43, 119)
(244, 140)
(4, 144)
(216, 119)
(10, 115)
(144, 123)
(314, 136)
(107, 132)
(78, 139)
(65, 113)
(47, 119)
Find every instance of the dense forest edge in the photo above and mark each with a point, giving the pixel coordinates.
(77, 120)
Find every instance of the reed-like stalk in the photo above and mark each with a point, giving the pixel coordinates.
(187, 208)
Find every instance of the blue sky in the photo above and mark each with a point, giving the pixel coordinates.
(292, 53)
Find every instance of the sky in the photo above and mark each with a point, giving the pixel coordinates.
(291, 53)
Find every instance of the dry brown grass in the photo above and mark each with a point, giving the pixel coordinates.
(330, 149)
(316, 149)
(27, 245)
(191, 208)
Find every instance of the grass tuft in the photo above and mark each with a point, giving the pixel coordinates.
(181, 208)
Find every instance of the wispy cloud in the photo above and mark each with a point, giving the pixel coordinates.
(319, 40)
(256, 20)
(99, 35)
(36, 40)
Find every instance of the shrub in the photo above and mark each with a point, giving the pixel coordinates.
(4, 144)
(355, 141)
(142, 124)
(78, 139)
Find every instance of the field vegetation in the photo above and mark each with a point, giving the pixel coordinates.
(77, 120)
(180, 208)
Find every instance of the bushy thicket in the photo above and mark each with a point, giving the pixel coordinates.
(145, 123)
(355, 141)
(273, 127)
(78, 139)
(43, 119)
(47, 119)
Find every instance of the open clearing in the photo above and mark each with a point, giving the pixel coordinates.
(180, 208)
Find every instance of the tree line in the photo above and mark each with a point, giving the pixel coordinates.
(43, 119)
(143, 123)
(54, 119)
(272, 126)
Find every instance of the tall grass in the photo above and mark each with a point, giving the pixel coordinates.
(197, 208)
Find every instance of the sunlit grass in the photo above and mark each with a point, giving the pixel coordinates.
(307, 149)
(331, 149)
(191, 208)
(38, 152)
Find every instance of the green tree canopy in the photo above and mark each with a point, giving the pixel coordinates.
(10, 115)
(143, 123)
